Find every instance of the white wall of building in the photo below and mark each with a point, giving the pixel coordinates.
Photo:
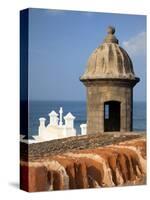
(55, 128)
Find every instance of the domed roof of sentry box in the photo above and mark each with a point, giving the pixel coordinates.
(109, 60)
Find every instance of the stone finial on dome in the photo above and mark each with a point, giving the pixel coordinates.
(111, 30)
(110, 38)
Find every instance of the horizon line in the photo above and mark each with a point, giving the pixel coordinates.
(64, 100)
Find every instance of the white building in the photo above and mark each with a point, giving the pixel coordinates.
(55, 128)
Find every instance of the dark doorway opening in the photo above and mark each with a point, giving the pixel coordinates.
(112, 116)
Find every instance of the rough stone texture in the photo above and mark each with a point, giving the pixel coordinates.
(109, 76)
(107, 61)
(34, 178)
(50, 148)
(98, 93)
(112, 165)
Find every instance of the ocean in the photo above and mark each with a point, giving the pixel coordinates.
(39, 109)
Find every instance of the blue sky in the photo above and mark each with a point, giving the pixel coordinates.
(60, 43)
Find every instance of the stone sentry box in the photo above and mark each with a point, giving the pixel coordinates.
(109, 79)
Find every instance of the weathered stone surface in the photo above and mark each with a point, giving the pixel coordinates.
(109, 78)
(54, 147)
(123, 163)
(95, 106)
(109, 60)
(34, 178)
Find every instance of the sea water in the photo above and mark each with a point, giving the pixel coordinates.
(39, 109)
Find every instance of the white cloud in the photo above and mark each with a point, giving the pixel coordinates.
(136, 45)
